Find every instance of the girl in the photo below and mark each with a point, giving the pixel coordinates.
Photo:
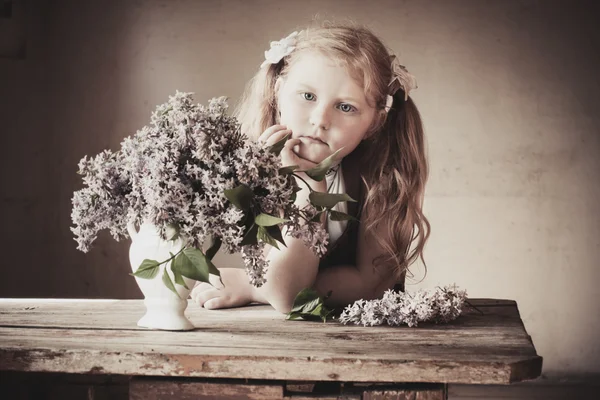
(337, 87)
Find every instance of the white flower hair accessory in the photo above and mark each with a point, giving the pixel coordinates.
(280, 49)
(401, 79)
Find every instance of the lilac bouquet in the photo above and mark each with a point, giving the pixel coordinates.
(195, 176)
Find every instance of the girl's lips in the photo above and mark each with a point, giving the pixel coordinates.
(312, 139)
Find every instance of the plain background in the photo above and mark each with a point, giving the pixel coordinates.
(508, 91)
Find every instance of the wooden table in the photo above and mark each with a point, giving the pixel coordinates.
(253, 352)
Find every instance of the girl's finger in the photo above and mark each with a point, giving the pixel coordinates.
(202, 297)
(270, 131)
(218, 302)
(290, 157)
(276, 137)
(201, 287)
(290, 143)
(225, 302)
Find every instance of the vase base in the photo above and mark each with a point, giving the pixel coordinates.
(165, 322)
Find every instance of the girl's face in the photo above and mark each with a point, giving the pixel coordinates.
(324, 107)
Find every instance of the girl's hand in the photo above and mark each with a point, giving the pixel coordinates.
(236, 293)
(274, 134)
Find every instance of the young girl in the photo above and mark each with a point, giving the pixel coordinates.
(337, 87)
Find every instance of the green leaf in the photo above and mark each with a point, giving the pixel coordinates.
(305, 297)
(294, 315)
(308, 305)
(288, 170)
(311, 306)
(328, 200)
(240, 196)
(275, 232)
(268, 220)
(278, 146)
(178, 277)
(340, 216)
(251, 236)
(319, 171)
(168, 282)
(215, 245)
(263, 235)
(212, 269)
(200, 261)
(193, 264)
(147, 269)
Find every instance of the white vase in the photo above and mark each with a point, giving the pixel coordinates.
(164, 310)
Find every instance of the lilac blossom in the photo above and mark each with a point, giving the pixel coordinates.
(174, 173)
(403, 308)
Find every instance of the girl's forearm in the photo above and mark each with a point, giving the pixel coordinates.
(291, 268)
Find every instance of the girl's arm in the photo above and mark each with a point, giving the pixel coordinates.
(291, 268)
(349, 283)
(295, 268)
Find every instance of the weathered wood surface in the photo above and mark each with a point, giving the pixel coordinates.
(256, 342)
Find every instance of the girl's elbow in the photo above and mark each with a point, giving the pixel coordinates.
(282, 304)
(282, 301)
(283, 308)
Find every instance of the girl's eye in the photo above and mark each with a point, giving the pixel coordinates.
(308, 96)
(345, 107)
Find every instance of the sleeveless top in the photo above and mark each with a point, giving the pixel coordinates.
(343, 250)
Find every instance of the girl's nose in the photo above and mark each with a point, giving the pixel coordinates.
(320, 117)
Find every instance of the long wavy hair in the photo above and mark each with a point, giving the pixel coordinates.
(396, 166)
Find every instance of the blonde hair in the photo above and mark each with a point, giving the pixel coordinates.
(396, 183)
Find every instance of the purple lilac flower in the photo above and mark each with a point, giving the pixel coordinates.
(174, 172)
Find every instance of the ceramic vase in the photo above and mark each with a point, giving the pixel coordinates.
(164, 309)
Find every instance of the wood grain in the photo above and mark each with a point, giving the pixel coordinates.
(256, 342)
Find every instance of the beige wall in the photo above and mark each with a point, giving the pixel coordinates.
(508, 91)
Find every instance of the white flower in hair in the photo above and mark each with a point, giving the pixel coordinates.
(280, 49)
(401, 78)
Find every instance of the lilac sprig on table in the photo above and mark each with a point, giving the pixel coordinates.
(194, 175)
(395, 308)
